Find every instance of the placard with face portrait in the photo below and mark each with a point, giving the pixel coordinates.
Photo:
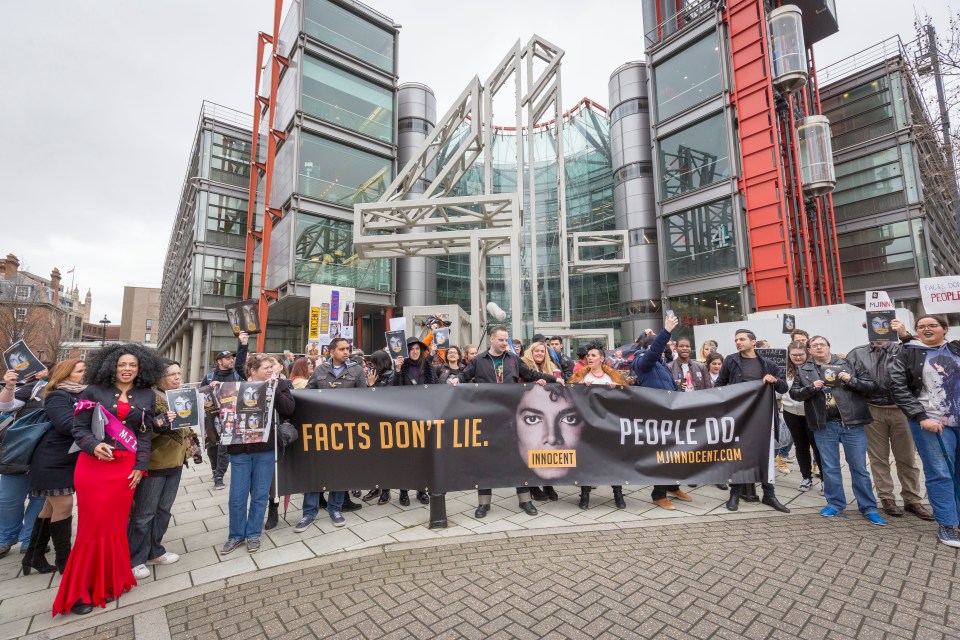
(186, 404)
(246, 410)
(19, 358)
(243, 316)
(397, 343)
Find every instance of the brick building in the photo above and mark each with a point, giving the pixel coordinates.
(39, 311)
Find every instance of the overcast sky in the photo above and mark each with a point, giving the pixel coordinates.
(102, 98)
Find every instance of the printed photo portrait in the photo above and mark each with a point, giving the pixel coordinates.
(549, 428)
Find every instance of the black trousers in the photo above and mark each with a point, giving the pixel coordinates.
(736, 490)
(660, 490)
(803, 439)
(522, 492)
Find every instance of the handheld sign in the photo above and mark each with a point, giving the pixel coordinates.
(397, 343)
(243, 316)
(777, 356)
(789, 323)
(880, 314)
(185, 403)
(19, 358)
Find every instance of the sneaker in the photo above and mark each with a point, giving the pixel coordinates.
(948, 536)
(168, 558)
(140, 572)
(253, 545)
(337, 519)
(303, 524)
(229, 546)
(805, 485)
(782, 466)
(219, 486)
(828, 512)
(875, 519)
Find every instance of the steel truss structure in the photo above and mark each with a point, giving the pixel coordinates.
(436, 224)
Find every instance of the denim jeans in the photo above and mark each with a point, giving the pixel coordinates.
(16, 523)
(854, 441)
(250, 478)
(311, 504)
(150, 516)
(335, 501)
(941, 491)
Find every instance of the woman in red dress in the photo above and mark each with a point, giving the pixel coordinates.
(108, 471)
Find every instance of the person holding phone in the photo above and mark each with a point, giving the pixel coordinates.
(108, 472)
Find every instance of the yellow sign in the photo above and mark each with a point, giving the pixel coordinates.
(314, 323)
(552, 458)
(325, 318)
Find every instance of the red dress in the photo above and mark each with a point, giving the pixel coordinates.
(99, 564)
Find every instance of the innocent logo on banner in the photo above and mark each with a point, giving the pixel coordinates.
(552, 459)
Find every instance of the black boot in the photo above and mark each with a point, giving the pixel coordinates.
(60, 533)
(584, 498)
(537, 494)
(384, 496)
(750, 493)
(273, 515)
(405, 497)
(373, 493)
(618, 498)
(733, 503)
(423, 497)
(35, 559)
(770, 500)
(81, 608)
(551, 494)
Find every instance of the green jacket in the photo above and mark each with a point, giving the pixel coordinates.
(168, 447)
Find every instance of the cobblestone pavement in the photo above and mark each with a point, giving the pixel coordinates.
(198, 529)
(769, 577)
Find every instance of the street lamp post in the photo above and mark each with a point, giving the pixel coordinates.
(104, 322)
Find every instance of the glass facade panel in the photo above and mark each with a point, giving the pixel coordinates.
(221, 277)
(334, 95)
(324, 254)
(594, 298)
(634, 105)
(229, 160)
(920, 248)
(879, 255)
(910, 177)
(694, 157)
(707, 307)
(700, 241)
(688, 78)
(862, 113)
(348, 32)
(226, 220)
(334, 172)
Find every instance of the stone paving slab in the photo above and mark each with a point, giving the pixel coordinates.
(25, 601)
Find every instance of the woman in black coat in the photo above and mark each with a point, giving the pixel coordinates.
(413, 370)
(51, 470)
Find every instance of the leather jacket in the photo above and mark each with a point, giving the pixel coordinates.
(850, 396)
(906, 378)
(351, 377)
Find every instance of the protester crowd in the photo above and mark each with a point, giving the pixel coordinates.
(122, 472)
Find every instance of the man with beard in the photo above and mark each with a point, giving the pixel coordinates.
(746, 366)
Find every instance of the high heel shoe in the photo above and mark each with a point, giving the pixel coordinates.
(34, 559)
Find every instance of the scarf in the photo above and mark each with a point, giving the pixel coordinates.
(71, 387)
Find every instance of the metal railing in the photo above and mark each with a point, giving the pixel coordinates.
(691, 12)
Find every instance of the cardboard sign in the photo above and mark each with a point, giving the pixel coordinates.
(941, 294)
(397, 343)
(878, 301)
(789, 323)
(19, 358)
(777, 356)
(245, 412)
(186, 404)
(243, 316)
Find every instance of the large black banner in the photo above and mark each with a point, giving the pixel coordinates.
(445, 438)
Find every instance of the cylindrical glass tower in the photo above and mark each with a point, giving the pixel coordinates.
(816, 156)
(788, 56)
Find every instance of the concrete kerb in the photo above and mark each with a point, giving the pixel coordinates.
(150, 608)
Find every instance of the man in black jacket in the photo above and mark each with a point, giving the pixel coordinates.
(746, 366)
(832, 390)
(230, 368)
(499, 366)
(889, 429)
(563, 361)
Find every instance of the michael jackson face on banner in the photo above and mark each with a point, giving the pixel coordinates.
(549, 429)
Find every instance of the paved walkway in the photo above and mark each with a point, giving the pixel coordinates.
(564, 573)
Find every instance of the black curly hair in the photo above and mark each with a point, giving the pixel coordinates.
(102, 365)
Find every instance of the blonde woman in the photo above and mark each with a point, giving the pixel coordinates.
(536, 358)
(708, 347)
